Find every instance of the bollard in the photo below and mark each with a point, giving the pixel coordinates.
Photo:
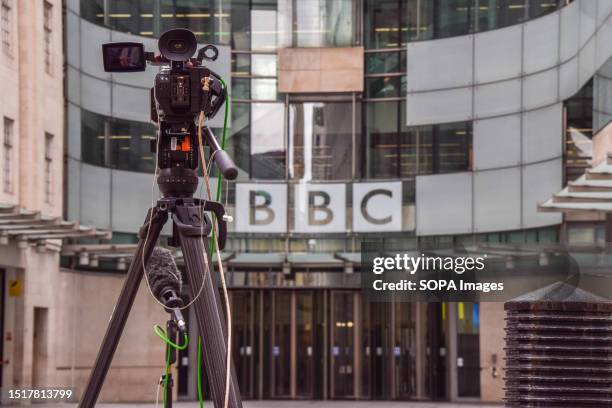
(558, 349)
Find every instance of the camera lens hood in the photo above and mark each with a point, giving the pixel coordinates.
(178, 44)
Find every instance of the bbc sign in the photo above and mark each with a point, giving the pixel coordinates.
(319, 208)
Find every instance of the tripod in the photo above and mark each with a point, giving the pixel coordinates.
(191, 227)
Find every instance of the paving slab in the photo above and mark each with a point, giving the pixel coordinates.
(299, 404)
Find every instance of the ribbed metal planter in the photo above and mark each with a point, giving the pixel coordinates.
(558, 353)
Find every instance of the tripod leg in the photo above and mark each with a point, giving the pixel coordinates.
(209, 315)
(157, 219)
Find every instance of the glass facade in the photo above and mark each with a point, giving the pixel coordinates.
(579, 132)
(117, 143)
(429, 20)
(319, 343)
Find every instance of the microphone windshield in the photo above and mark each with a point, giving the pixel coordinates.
(162, 273)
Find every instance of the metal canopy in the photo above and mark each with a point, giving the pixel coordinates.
(590, 193)
(27, 226)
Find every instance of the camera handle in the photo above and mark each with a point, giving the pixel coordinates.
(203, 56)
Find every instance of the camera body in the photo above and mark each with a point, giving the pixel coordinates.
(182, 90)
(178, 92)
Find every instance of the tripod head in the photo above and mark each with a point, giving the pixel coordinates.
(183, 89)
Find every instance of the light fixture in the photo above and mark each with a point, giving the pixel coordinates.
(4, 238)
(543, 261)
(94, 261)
(286, 268)
(22, 243)
(83, 258)
(510, 263)
(312, 245)
(122, 264)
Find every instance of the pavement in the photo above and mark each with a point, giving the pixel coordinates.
(301, 404)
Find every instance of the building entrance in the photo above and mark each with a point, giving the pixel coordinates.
(332, 344)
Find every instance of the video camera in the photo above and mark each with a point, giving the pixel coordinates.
(183, 89)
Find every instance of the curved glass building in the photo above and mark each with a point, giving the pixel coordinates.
(415, 124)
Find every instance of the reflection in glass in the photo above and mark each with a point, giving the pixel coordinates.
(579, 124)
(134, 17)
(382, 87)
(380, 147)
(241, 64)
(435, 358)
(468, 349)
(93, 131)
(263, 89)
(382, 62)
(321, 137)
(343, 346)
(263, 64)
(391, 150)
(376, 336)
(383, 24)
(304, 344)
(281, 344)
(452, 147)
(452, 17)
(93, 10)
(264, 26)
(200, 17)
(324, 23)
(267, 140)
(241, 88)
(244, 336)
(130, 146)
(447, 18)
(404, 351)
(263, 29)
(238, 141)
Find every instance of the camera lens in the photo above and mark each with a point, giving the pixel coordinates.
(176, 45)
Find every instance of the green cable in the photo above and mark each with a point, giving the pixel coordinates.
(161, 333)
(166, 376)
(200, 396)
(164, 336)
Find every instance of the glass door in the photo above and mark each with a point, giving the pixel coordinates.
(243, 338)
(436, 350)
(292, 356)
(468, 349)
(343, 345)
(304, 340)
(281, 344)
(404, 351)
(376, 338)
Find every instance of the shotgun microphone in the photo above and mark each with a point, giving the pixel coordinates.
(165, 281)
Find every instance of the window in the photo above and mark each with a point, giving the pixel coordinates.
(6, 22)
(267, 140)
(48, 168)
(391, 150)
(48, 21)
(7, 159)
(321, 136)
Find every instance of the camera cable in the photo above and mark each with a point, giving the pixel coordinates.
(201, 120)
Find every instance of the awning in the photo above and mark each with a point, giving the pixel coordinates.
(258, 259)
(31, 227)
(590, 193)
(318, 259)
